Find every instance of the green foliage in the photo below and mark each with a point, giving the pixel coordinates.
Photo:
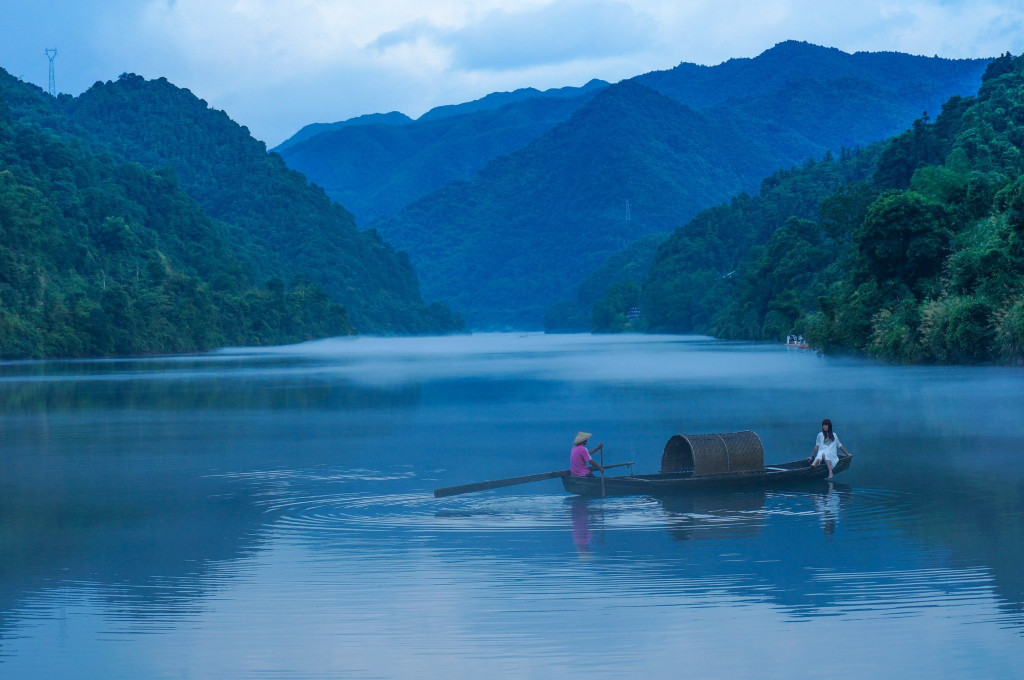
(895, 332)
(566, 317)
(956, 329)
(1009, 331)
(629, 264)
(843, 211)
(924, 144)
(1011, 201)
(276, 223)
(624, 165)
(103, 257)
(611, 314)
(775, 286)
(904, 238)
(512, 239)
(700, 281)
(931, 269)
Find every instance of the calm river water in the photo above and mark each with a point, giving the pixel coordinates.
(269, 514)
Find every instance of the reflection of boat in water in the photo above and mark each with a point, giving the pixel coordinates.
(714, 501)
(714, 514)
(734, 460)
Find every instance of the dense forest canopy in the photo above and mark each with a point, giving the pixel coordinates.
(104, 257)
(912, 250)
(281, 225)
(135, 219)
(100, 255)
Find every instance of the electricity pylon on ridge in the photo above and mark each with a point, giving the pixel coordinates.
(51, 52)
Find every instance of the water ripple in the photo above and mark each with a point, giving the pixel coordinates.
(344, 500)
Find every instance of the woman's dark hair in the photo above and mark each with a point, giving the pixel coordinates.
(830, 435)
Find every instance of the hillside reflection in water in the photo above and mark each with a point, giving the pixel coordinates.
(252, 513)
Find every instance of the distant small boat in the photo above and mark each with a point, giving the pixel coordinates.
(796, 342)
(733, 460)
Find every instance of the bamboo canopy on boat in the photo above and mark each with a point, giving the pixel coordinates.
(713, 454)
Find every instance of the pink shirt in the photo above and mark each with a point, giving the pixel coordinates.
(578, 459)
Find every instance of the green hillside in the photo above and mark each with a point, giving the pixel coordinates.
(525, 231)
(624, 271)
(100, 256)
(922, 261)
(572, 184)
(695, 271)
(275, 222)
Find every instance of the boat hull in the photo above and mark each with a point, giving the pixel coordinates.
(674, 483)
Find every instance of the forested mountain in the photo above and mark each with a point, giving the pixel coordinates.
(920, 261)
(747, 119)
(528, 228)
(99, 256)
(377, 167)
(136, 220)
(625, 271)
(806, 99)
(275, 222)
(695, 272)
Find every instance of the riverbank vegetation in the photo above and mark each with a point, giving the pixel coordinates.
(100, 257)
(911, 250)
(202, 241)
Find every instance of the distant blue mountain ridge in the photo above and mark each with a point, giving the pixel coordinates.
(507, 203)
(492, 101)
(377, 164)
(314, 129)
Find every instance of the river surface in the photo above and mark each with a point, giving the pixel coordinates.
(269, 514)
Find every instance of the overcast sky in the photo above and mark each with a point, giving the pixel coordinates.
(276, 65)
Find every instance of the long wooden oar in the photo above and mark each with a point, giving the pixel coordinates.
(510, 481)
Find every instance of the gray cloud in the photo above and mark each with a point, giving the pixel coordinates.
(563, 31)
(407, 34)
(275, 65)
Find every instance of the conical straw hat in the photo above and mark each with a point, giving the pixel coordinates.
(581, 437)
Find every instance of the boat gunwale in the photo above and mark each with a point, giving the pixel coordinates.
(680, 482)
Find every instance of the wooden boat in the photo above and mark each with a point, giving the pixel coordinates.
(797, 342)
(733, 460)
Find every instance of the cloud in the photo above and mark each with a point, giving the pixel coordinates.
(556, 33)
(276, 65)
(714, 31)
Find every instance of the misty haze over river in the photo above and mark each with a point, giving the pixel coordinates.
(268, 513)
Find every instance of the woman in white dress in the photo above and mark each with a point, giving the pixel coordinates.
(827, 447)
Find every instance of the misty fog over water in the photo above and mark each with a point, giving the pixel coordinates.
(269, 513)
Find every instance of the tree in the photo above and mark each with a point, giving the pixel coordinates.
(905, 237)
(611, 313)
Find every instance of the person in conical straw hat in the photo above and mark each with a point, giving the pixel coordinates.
(580, 462)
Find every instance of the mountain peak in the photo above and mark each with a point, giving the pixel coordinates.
(800, 47)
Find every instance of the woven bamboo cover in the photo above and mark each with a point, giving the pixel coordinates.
(713, 454)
